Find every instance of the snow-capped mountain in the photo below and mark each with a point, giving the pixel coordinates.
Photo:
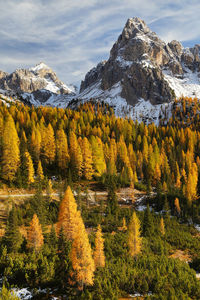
(143, 73)
(37, 85)
(140, 79)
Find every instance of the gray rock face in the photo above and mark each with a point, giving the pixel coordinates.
(137, 60)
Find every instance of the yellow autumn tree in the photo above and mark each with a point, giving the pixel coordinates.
(11, 153)
(40, 171)
(99, 257)
(191, 184)
(162, 226)
(177, 206)
(132, 193)
(48, 144)
(35, 237)
(67, 216)
(111, 162)
(62, 153)
(76, 158)
(134, 238)
(29, 168)
(98, 156)
(178, 177)
(35, 144)
(87, 159)
(81, 256)
(49, 189)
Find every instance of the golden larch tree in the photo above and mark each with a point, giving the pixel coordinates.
(177, 206)
(35, 144)
(162, 226)
(99, 256)
(48, 145)
(29, 167)
(81, 256)
(87, 159)
(76, 158)
(11, 153)
(62, 153)
(191, 184)
(98, 156)
(67, 216)
(111, 162)
(35, 237)
(49, 189)
(134, 238)
(40, 171)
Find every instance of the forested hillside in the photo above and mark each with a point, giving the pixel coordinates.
(76, 250)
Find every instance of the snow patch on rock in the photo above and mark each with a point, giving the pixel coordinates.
(39, 67)
(187, 85)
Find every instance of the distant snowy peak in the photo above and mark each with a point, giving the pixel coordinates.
(40, 66)
(37, 85)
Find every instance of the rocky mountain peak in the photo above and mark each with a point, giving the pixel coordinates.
(143, 66)
(134, 26)
(39, 66)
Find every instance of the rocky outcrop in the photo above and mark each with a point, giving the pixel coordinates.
(138, 61)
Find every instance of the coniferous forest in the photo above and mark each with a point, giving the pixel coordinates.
(75, 237)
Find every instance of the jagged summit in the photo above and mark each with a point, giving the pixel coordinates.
(40, 66)
(142, 67)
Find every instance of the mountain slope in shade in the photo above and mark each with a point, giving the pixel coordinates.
(145, 70)
(38, 85)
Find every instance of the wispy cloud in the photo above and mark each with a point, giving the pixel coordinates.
(71, 36)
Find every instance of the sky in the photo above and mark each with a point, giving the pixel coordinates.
(72, 36)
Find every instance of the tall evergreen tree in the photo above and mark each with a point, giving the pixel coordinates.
(99, 256)
(81, 256)
(162, 226)
(29, 171)
(67, 216)
(62, 152)
(134, 238)
(48, 145)
(63, 266)
(148, 225)
(35, 236)
(12, 237)
(11, 154)
(87, 159)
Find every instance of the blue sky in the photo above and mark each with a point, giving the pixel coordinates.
(72, 36)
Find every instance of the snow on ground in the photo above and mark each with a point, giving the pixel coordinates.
(135, 295)
(111, 96)
(197, 226)
(51, 86)
(188, 85)
(145, 111)
(23, 294)
(60, 101)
